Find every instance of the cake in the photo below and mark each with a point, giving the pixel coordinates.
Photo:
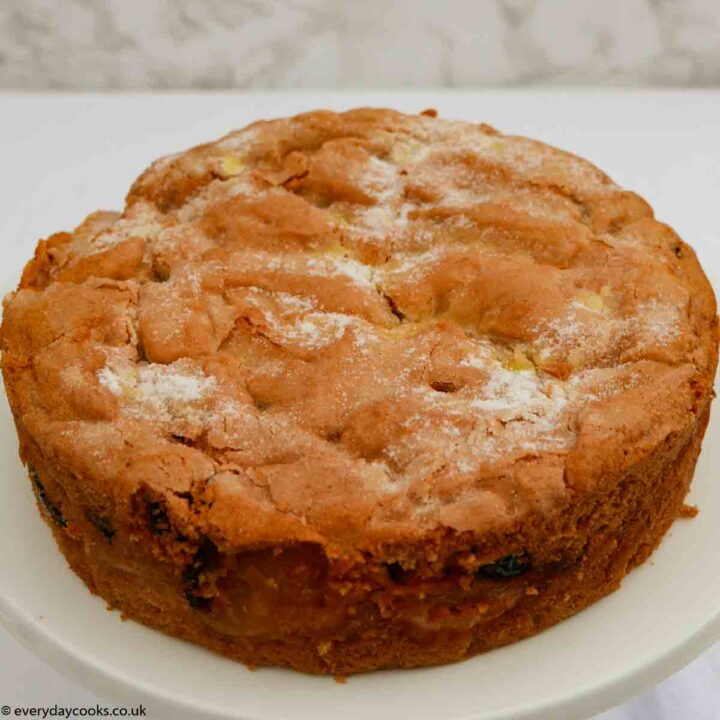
(364, 390)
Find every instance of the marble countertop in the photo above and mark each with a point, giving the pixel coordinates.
(160, 44)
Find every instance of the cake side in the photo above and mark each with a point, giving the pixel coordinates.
(294, 606)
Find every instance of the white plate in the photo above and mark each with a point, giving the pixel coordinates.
(667, 611)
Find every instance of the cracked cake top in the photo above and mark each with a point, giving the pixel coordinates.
(360, 328)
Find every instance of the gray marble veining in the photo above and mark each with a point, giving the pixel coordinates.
(124, 44)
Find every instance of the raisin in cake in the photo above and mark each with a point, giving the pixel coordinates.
(353, 391)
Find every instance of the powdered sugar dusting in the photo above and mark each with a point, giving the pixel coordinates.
(156, 391)
(294, 303)
(577, 332)
(659, 321)
(358, 272)
(316, 330)
(160, 384)
(587, 332)
(319, 266)
(112, 380)
(239, 140)
(141, 221)
(377, 219)
(216, 192)
(520, 394)
(292, 320)
(381, 179)
(481, 356)
(403, 263)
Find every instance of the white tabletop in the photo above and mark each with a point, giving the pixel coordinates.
(673, 136)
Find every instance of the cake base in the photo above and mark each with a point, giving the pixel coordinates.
(340, 629)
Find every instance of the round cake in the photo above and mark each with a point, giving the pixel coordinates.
(365, 390)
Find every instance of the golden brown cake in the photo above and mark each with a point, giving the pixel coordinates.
(352, 391)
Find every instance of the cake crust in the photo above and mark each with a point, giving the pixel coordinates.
(361, 390)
